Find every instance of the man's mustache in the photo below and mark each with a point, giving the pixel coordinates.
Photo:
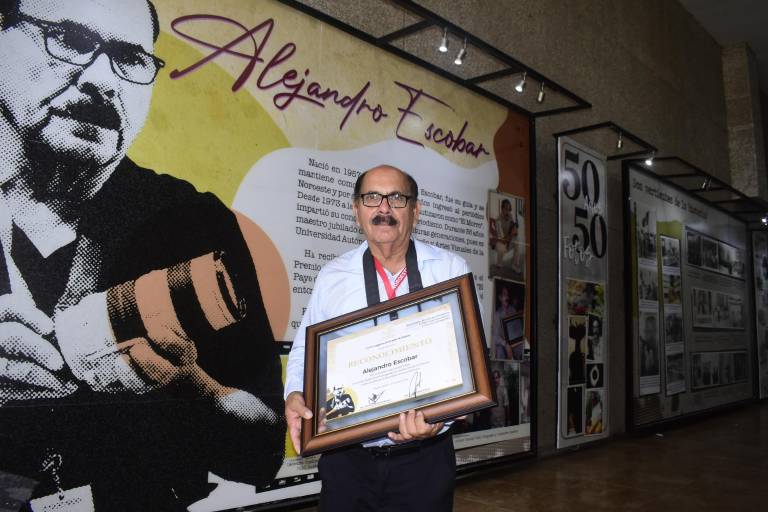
(100, 114)
(387, 220)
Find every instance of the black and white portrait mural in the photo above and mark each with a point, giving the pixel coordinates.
(136, 357)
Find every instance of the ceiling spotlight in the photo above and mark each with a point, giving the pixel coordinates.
(520, 87)
(540, 96)
(620, 142)
(462, 53)
(764, 220)
(649, 160)
(444, 42)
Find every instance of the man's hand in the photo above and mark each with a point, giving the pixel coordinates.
(27, 359)
(413, 427)
(157, 370)
(295, 410)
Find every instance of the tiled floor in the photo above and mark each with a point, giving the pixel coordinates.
(719, 463)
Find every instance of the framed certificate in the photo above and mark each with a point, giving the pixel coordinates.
(425, 350)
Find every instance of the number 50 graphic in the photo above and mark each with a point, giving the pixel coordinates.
(580, 182)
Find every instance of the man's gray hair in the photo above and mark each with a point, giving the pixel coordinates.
(414, 192)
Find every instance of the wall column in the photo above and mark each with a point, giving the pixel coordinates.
(746, 138)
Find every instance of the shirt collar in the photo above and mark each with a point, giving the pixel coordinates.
(42, 226)
(424, 252)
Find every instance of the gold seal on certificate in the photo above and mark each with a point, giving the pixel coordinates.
(424, 350)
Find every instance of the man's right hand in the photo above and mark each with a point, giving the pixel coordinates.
(27, 359)
(295, 410)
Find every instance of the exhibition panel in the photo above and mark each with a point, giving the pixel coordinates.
(689, 307)
(584, 327)
(760, 272)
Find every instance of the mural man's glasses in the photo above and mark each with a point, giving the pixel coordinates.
(68, 43)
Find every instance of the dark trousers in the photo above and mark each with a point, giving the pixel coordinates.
(411, 478)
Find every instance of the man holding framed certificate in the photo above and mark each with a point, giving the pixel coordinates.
(413, 468)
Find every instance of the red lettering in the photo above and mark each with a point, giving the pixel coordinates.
(271, 76)
(414, 95)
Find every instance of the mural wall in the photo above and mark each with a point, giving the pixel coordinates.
(173, 176)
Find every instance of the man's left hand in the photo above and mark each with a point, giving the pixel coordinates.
(158, 370)
(414, 427)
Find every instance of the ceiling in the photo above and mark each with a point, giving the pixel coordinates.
(736, 21)
(411, 31)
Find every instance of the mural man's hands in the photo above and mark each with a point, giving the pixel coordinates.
(162, 362)
(28, 362)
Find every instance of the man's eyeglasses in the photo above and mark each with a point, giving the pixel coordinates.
(73, 45)
(374, 199)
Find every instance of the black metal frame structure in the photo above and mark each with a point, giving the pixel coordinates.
(645, 147)
(429, 19)
(708, 188)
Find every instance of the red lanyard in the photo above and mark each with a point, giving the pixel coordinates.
(398, 280)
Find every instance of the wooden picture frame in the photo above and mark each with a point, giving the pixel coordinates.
(425, 350)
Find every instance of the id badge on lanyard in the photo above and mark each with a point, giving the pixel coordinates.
(78, 499)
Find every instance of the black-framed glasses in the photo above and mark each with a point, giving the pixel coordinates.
(394, 200)
(69, 43)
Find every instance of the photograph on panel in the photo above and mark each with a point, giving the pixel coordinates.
(507, 237)
(525, 391)
(705, 370)
(727, 368)
(762, 347)
(508, 321)
(709, 369)
(701, 303)
(738, 266)
(670, 252)
(646, 232)
(724, 258)
(730, 260)
(595, 377)
(585, 297)
(649, 343)
(727, 311)
(595, 343)
(577, 333)
(709, 256)
(673, 326)
(693, 244)
(647, 284)
(761, 262)
(593, 418)
(672, 288)
(575, 411)
(506, 382)
(675, 373)
(740, 366)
